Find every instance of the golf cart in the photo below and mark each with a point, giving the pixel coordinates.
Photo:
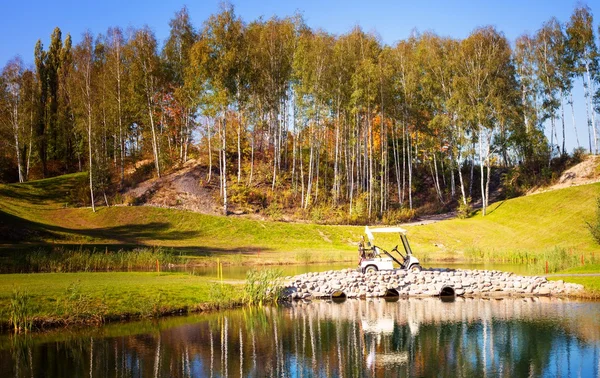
(373, 258)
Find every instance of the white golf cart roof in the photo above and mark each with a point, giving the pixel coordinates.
(377, 230)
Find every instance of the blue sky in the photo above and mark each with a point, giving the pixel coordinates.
(26, 21)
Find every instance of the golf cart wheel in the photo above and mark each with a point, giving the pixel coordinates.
(416, 268)
(370, 269)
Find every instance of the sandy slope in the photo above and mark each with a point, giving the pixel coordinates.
(586, 172)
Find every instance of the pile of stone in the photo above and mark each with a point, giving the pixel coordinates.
(432, 282)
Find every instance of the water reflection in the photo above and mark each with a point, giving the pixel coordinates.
(422, 337)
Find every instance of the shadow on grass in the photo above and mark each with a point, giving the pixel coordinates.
(41, 192)
(497, 207)
(19, 237)
(15, 229)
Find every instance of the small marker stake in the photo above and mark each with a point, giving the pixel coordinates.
(546, 266)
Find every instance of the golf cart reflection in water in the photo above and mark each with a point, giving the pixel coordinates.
(373, 258)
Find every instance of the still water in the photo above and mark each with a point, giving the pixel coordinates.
(357, 338)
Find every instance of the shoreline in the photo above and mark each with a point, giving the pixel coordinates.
(55, 303)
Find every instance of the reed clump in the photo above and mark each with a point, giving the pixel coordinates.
(75, 306)
(57, 260)
(20, 311)
(263, 286)
(548, 261)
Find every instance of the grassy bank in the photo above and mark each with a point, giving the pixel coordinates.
(91, 298)
(591, 285)
(39, 213)
(544, 226)
(534, 229)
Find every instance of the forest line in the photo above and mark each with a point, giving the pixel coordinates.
(315, 119)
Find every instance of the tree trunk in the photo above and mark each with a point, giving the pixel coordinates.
(472, 175)
(587, 114)
(573, 118)
(310, 173)
(460, 178)
(437, 180)
(301, 172)
(90, 155)
(562, 118)
(251, 159)
(239, 147)
(410, 170)
(481, 168)
(224, 170)
(336, 190)
(592, 111)
(15, 124)
(209, 151)
(154, 142)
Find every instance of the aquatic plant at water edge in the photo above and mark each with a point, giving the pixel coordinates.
(75, 306)
(20, 312)
(85, 260)
(262, 286)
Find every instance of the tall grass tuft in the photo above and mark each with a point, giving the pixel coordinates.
(74, 306)
(263, 286)
(20, 312)
(555, 259)
(85, 260)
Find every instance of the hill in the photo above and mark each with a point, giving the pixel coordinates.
(530, 225)
(39, 213)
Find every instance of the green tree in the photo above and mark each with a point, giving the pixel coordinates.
(584, 55)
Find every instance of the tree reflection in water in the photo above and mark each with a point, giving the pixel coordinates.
(417, 337)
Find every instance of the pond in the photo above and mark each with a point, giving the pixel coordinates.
(371, 338)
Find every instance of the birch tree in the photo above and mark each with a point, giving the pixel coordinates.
(11, 105)
(147, 74)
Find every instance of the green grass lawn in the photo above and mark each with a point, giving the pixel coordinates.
(518, 228)
(591, 284)
(521, 229)
(38, 213)
(92, 297)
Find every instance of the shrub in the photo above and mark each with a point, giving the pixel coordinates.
(397, 216)
(511, 183)
(274, 211)
(464, 211)
(579, 155)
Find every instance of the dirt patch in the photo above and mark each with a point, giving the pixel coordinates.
(185, 189)
(586, 172)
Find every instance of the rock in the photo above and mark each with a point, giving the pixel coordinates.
(544, 291)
